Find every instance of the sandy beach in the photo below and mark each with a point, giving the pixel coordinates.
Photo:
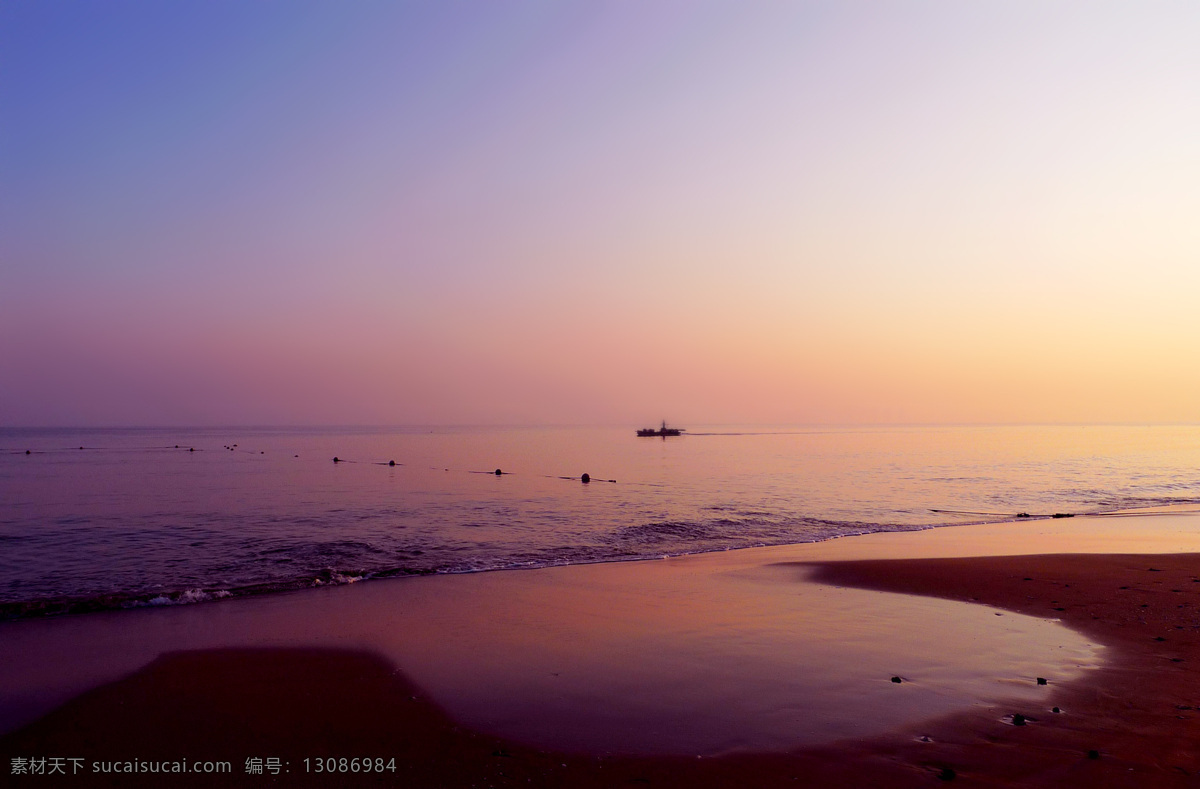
(304, 677)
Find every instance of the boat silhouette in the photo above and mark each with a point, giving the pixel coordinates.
(664, 431)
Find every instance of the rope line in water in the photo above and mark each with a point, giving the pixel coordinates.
(1018, 515)
(1114, 513)
(11, 451)
(584, 478)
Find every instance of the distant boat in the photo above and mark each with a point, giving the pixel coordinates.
(664, 431)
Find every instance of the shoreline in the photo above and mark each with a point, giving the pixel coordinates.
(1134, 722)
(126, 601)
(1137, 710)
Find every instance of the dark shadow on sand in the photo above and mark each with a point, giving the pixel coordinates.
(232, 705)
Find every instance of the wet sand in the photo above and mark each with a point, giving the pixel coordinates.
(1136, 712)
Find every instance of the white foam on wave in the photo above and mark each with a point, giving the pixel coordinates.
(338, 579)
(185, 597)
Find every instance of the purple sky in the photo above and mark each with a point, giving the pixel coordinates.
(229, 212)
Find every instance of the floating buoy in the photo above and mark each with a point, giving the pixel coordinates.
(499, 472)
(27, 452)
(191, 449)
(391, 462)
(586, 478)
(336, 459)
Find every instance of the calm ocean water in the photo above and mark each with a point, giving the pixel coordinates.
(162, 516)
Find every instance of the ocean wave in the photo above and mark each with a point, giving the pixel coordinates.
(295, 565)
(82, 604)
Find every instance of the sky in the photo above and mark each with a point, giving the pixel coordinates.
(598, 212)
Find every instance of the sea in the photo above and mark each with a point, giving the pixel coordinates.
(96, 519)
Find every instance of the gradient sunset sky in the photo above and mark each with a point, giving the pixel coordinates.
(599, 212)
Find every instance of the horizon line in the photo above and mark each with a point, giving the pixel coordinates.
(576, 425)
